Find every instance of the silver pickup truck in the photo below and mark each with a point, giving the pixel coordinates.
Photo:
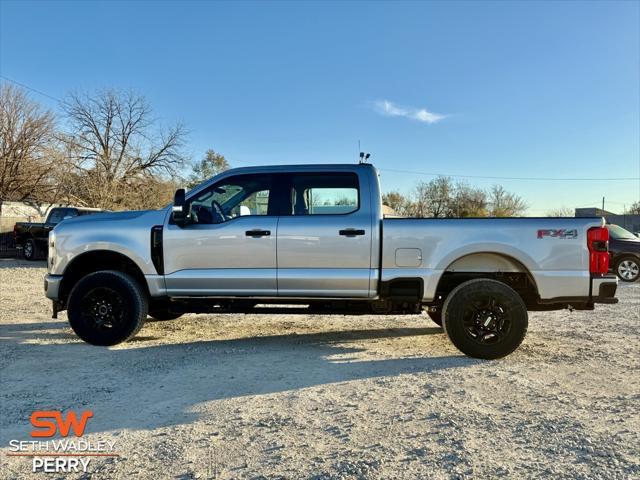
(314, 236)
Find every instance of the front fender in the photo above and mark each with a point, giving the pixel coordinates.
(126, 247)
(127, 233)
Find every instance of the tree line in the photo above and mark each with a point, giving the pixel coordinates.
(104, 150)
(444, 198)
(108, 150)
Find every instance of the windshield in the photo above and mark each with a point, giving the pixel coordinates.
(619, 233)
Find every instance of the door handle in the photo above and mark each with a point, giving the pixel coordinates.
(257, 233)
(351, 232)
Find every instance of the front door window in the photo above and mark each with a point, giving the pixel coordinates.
(238, 196)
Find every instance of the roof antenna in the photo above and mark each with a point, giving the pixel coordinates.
(363, 157)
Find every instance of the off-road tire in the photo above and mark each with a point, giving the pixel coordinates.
(107, 307)
(484, 303)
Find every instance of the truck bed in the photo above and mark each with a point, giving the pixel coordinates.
(552, 250)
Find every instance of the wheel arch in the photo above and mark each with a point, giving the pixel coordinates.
(94, 261)
(491, 265)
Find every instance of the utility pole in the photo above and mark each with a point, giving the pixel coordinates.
(602, 203)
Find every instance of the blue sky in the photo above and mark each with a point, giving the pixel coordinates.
(507, 89)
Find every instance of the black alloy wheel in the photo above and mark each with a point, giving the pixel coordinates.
(107, 307)
(485, 318)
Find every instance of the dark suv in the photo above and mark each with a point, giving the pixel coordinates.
(624, 248)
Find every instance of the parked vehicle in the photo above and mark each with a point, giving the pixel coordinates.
(31, 238)
(315, 235)
(624, 248)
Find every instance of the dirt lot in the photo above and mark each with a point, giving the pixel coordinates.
(292, 396)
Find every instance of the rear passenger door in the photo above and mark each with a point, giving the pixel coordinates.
(324, 237)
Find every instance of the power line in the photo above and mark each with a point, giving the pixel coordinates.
(411, 172)
(30, 88)
(486, 177)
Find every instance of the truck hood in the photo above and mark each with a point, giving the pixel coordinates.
(108, 216)
(109, 224)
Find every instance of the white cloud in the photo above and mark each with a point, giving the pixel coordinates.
(385, 107)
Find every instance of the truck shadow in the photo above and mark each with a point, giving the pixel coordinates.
(21, 263)
(140, 386)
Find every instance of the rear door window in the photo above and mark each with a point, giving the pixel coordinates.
(324, 194)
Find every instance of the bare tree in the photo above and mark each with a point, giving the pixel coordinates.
(26, 137)
(150, 191)
(212, 164)
(505, 204)
(397, 202)
(442, 198)
(634, 209)
(116, 143)
(468, 201)
(432, 199)
(561, 212)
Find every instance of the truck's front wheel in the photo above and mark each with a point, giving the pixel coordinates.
(485, 318)
(107, 308)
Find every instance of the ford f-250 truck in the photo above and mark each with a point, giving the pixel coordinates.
(314, 235)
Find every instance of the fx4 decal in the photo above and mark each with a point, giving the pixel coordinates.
(558, 233)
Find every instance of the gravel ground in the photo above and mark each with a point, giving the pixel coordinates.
(295, 396)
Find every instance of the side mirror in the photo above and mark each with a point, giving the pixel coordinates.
(179, 210)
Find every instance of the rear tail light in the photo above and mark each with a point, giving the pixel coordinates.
(598, 243)
(15, 232)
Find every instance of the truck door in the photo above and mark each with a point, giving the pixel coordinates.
(229, 246)
(324, 237)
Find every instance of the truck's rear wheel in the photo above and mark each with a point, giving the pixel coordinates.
(29, 250)
(107, 308)
(485, 318)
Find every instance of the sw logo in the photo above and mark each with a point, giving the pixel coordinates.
(48, 422)
(558, 233)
